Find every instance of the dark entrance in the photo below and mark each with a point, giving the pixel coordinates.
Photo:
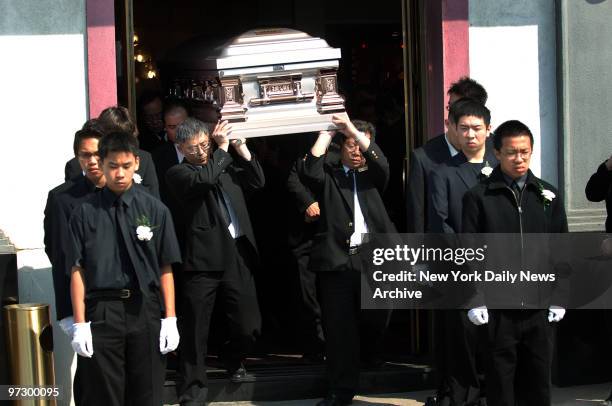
(371, 77)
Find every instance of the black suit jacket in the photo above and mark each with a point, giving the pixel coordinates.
(61, 201)
(448, 184)
(208, 245)
(598, 188)
(146, 170)
(333, 189)
(422, 162)
(299, 231)
(164, 158)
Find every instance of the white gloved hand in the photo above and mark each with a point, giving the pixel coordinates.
(479, 315)
(555, 313)
(168, 335)
(66, 325)
(82, 342)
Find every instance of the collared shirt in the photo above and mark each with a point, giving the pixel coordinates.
(179, 154)
(110, 261)
(520, 181)
(234, 226)
(453, 151)
(359, 221)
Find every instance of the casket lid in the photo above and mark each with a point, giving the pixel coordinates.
(272, 46)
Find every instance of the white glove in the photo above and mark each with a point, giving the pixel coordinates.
(66, 325)
(555, 313)
(479, 315)
(168, 335)
(82, 343)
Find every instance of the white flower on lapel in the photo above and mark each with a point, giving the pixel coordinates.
(144, 233)
(487, 170)
(144, 229)
(137, 178)
(548, 195)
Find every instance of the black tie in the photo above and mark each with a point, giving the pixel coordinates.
(516, 189)
(222, 206)
(125, 249)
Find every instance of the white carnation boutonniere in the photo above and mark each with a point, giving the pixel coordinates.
(137, 178)
(546, 195)
(144, 229)
(487, 169)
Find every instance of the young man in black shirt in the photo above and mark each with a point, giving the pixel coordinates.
(62, 200)
(121, 285)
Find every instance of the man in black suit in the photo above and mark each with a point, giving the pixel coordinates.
(169, 154)
(514, 200)
(460, 383)
(118, 119)
(219, 251)
(61, 201)
(599, 187)
(470, 121)
(436, 151)
(349, 195)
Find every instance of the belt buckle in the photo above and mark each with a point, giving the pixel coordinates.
(353, 250)
(125, 293)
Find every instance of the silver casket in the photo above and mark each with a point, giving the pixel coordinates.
(273, 81)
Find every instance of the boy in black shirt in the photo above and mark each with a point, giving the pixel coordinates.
(121, 285)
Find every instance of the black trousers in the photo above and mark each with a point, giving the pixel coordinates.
(460, 359)
(236, 290)
(127, 367)
(310, 310)
(520, 353)
(348, 328)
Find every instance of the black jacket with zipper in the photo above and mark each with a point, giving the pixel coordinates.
(492, 207)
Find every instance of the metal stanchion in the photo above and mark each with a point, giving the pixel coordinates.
(29, 341)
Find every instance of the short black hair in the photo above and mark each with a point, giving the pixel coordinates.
(117, 142)
(510, 128)
(365, 127)
(468, 87)
(91, 129)
(468, 107)
(117, 119)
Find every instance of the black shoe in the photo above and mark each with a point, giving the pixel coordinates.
(241, 375)
(431, 401)
(334, 400)
(314, 357)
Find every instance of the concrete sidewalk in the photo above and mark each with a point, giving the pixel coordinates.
(587, 395)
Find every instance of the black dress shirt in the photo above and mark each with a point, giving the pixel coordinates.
(97, 242)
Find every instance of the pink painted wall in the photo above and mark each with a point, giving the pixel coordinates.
(455, 41)
(101, 60)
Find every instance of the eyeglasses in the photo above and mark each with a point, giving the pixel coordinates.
(515, 154)
(88, 155)
(195, 150)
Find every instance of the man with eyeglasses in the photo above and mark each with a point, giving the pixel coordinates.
(219, 250)
(514, 200)
(349, 192)
(61, 201)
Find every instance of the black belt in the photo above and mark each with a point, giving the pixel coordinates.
(354, 250)
(111, 294)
